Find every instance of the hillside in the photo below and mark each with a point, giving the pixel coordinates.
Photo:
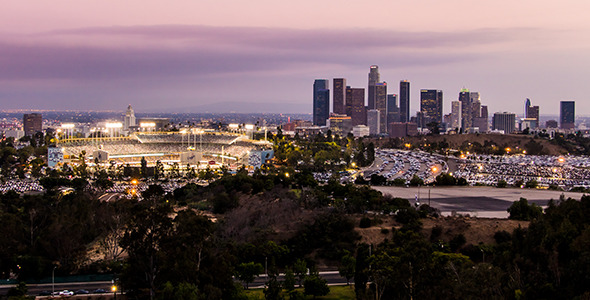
(455, 141)
(475, 230)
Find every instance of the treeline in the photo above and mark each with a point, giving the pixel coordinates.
(167, 246)
(547, 260)
(321, 152)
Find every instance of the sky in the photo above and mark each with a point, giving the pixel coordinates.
(244, 55)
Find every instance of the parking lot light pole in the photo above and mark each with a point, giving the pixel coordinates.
(53, 280)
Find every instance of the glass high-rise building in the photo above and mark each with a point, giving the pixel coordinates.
(32, 123)
(404, 101)
(355, 105)
(339, 96)
(374, 78)
(466, 115)
(431, 106)
(392, 109)
(381, 105)
(321, 102)
(504, 121)
(567, 115)
(455, 114)
(533, 113)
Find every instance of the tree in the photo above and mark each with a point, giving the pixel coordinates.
(315, 286)
(273, 290)
(433, 127)
(147, 228)
(382, 271)
(347, 266)
(416, 181)
(502, 183)
(521, 210)
(300, 269)
(445, 179)
(531, 184)
(247, 272)
(289, 280)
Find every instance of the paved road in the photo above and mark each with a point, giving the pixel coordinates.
(333, 278)
(35, 289)
(489, 202)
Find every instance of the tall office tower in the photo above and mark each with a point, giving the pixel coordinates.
(381, 104)
(466, 115)
(567, 115)
(392, 109)
(481, 122)
(431, 103)
(533, 113)
(527, 104)
(484, 127)
(504, 121)
(321, 102)
(339, 97)
(374, 78)
(475, 105)
(355, 105)
(373, 121)
(455, 114)
(404, 101)
(484, 111)
(129, 119)
(32, 123)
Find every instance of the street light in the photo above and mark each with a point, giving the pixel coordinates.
(53, 281)
(114, 290)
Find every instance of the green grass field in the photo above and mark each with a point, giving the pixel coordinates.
(336, 293)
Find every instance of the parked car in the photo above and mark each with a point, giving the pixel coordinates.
(66, 293)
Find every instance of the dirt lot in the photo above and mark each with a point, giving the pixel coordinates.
(475, 230)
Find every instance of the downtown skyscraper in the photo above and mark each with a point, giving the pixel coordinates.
(392, 109)
(339, 96)
(567, 115)
(355, 106)
(466, 115)
(32, 123)
(431, 106)
(381, 105)
(404, 101)
(374, 78)
(321, 102)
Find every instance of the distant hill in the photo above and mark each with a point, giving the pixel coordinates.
(502, 140)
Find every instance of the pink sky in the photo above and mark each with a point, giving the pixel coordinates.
(99, 54)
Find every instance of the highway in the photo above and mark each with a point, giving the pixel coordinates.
(35, 289)
(333, 278)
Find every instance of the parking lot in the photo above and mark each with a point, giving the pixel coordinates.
(476, 201)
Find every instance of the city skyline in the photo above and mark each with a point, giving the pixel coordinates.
(83, 56)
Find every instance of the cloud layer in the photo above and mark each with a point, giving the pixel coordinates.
(94, 68)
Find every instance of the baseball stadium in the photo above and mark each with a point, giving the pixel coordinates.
(193, 147)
